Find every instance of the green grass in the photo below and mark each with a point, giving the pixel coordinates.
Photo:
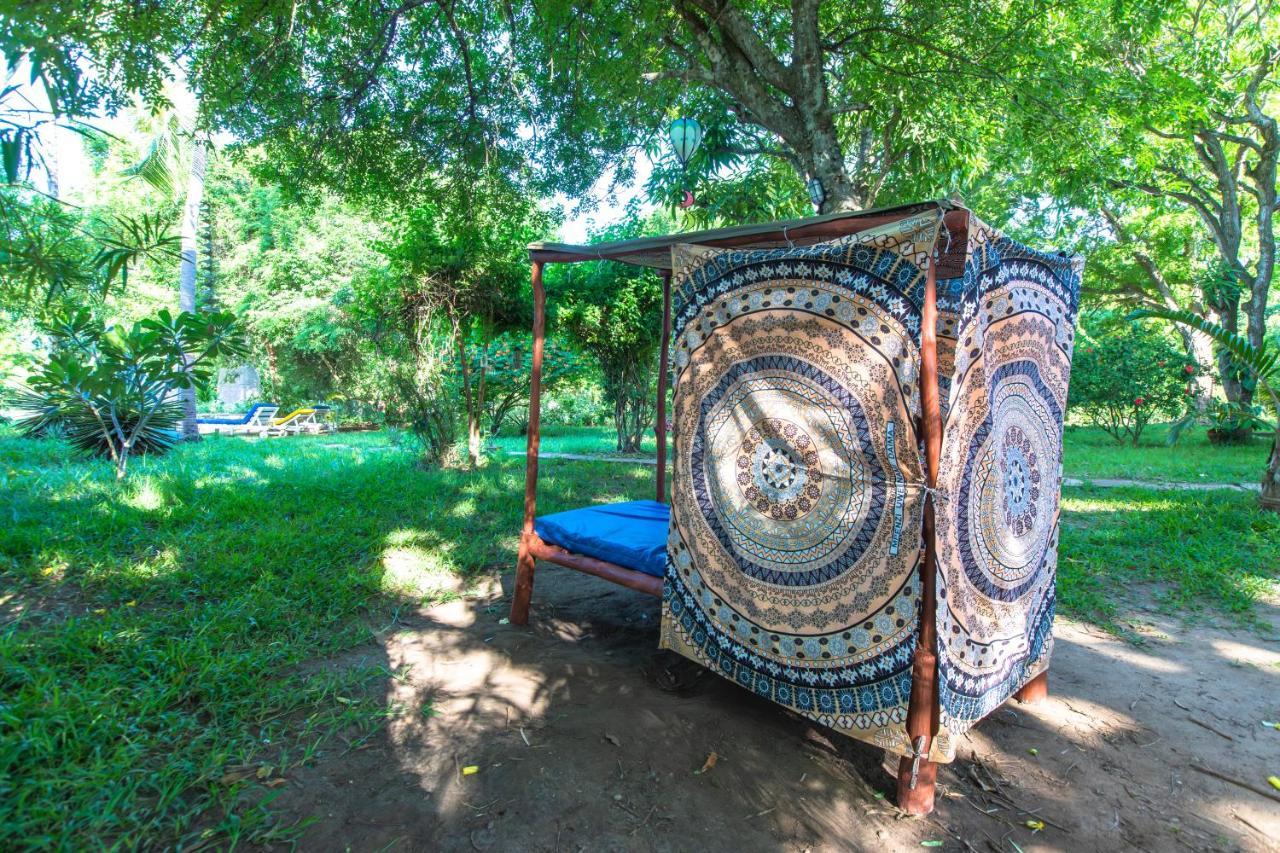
(167, 617)
(155, 635)
(1090, 453)
(1194, 551)
(600, 440)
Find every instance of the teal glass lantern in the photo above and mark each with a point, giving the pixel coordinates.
(686, 136)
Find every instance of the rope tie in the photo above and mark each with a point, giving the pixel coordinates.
(934, 492)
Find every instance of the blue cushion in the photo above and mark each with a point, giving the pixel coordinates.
(234, 421)
(631, 534)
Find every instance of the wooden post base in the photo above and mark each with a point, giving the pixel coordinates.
(524, 585)
(917, 800)
(1035, 690)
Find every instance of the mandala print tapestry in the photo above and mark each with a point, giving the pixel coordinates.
(796, 505)
(1005, 336)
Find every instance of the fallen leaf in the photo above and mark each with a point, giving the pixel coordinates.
(264, 771)
(470, 770)
(275, 783)
(1033, 751)
(1271, 725)
(237, 773)
(930, 843)
(613, 739)
(344, 700)
(708, 764)
(504, 621)
(1035, 825)
(1275, 782)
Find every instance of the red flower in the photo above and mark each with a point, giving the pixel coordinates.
(1162, 363)
(1189, 369)
(1138, 401)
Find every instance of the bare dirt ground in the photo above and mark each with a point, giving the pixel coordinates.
(581, 744)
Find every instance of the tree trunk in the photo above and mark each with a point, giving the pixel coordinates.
(1270, 497)
(1200, 349)
(187, 270)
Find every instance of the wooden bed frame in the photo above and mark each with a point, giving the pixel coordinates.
(917, 776)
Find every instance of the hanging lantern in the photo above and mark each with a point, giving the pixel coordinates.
(817, 194)
(686, 136)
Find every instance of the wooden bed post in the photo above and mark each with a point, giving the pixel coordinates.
(1035, 690)
(525, 561)
(662, 386)
(917, 775)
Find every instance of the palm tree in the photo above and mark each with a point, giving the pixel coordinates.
(1263, 362)
(176, 152)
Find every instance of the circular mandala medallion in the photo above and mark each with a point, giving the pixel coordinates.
(778, 469)
(785, 471)
(1009, 491)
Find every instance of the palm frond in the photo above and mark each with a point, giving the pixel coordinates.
(135, 239)
(161, 165)
(1263, 361)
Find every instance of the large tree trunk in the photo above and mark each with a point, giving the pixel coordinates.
(1200, 349)
(187, 270)
(1270, 497)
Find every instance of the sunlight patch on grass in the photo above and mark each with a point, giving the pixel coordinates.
(416, 572)
(1192, 550)
(146, 496)
(465, 508)
(1104, 503)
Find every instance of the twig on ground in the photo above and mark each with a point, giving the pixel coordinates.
(1248, 786)
(1202, 724)
(1249, 824)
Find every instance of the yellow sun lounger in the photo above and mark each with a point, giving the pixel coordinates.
(309, 419)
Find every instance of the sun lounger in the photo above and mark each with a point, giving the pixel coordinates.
(312, 420)
(257, 418)
(297, 421)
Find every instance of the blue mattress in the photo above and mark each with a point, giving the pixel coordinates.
(631, 534)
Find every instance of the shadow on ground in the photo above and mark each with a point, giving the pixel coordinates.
(577, 747)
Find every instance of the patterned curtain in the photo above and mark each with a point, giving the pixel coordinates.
(796, 505)
(798, 483)
(1005, 334)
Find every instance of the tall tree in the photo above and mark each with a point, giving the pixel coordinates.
(860, 96)
(175, 165)
(1172, 106)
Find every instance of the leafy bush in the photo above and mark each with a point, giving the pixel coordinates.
(1125, 375)
(112, 391)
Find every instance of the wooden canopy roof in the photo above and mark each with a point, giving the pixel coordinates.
(655, 252)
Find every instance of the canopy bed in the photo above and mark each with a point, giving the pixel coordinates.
(862, 517)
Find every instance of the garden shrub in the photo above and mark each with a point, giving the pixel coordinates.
(1125, 375)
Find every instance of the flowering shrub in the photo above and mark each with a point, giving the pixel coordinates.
(1126, 375)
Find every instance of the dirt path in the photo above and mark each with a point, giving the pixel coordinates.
(578, 748)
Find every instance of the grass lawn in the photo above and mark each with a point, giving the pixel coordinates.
(574, 439)
(153, 633)
(1088, 453)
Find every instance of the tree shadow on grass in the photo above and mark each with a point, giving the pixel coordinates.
(167, 628)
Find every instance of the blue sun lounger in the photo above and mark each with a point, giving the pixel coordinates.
(258, 417)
